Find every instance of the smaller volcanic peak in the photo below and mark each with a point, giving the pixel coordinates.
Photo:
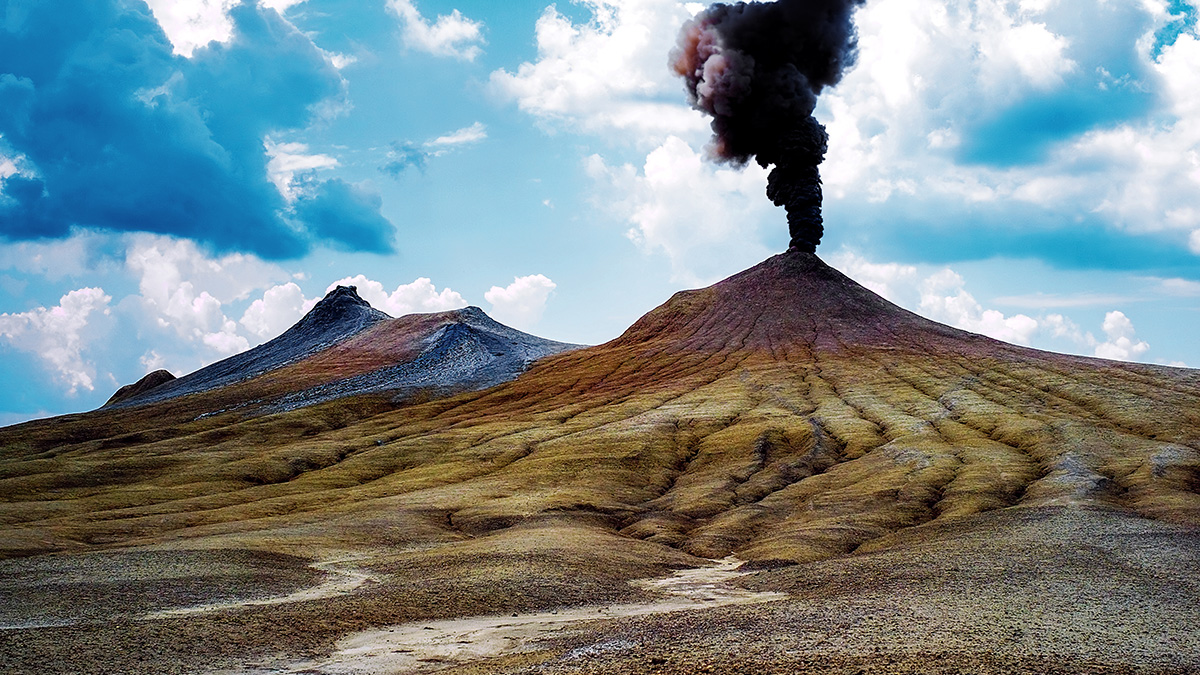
(341, 311)
(336, 317)
(140, 387)
(425, 354)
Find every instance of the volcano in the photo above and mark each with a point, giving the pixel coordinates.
(344, 347)
(914, 496)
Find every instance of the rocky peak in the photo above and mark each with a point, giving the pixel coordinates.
(342, 304)
(150, 381)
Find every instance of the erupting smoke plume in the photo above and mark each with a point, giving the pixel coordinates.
(757, 68)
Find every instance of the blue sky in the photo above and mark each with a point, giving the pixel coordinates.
(181, 180)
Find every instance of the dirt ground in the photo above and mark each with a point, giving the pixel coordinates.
(1021, 590)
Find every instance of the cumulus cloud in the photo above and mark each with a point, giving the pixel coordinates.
(193, 23)
(607, 74)
(882, 278)
(943, 298)
(278, 309)
(700, 215)
(419, 296)
(521, 303)
(184, 291)
(152, 361)
(1121, 343)
(1045, 115)
(450, 34)
(170, 145)
(58, 335)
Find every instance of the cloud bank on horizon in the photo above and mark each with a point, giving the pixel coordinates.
(182, 180)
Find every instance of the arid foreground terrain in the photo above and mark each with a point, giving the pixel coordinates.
(906, 498)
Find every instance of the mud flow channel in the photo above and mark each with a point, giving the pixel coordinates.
(430, 646)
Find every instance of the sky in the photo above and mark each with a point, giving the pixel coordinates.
(181, 180)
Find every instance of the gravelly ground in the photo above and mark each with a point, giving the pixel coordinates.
(1075, 590)
(1070, 591)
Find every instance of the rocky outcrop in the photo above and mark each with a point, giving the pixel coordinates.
(150, 381)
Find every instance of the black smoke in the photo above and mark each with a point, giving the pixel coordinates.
(757, 69)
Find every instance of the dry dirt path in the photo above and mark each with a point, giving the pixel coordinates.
(339, 580)
(430, 646)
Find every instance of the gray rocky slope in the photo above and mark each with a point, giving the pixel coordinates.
(468, 351)
(461, 350)
(339, 315)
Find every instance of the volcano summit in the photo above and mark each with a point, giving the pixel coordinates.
(911, 497)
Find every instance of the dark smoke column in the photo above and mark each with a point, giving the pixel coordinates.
(757, 69)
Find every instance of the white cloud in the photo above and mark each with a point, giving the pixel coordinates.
(465, 136)
(1016, 54)
(450, 35)
(943, 298)
(700, 215)
(287, 159)
(185, 291)
(608, 74)
(152, 361)
(280, 6)
(58, 335)
(162, 263)
(1194, 242)
(882, 278)
(1059, 326)
(930, 72)
(1180, 287)
(278, 309)
(1122, 344)
(521, 303)
(419, 296)
(190, 24)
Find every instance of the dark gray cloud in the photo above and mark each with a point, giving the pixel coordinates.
(346, 214)
(114, 131)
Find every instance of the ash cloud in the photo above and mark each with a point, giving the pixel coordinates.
(757, 69)
(110, 129)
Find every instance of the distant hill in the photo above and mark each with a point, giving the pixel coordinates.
(345, 347)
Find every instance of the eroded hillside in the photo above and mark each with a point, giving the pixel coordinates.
(785, 416)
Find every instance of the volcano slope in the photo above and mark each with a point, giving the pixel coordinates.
(929, 500)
